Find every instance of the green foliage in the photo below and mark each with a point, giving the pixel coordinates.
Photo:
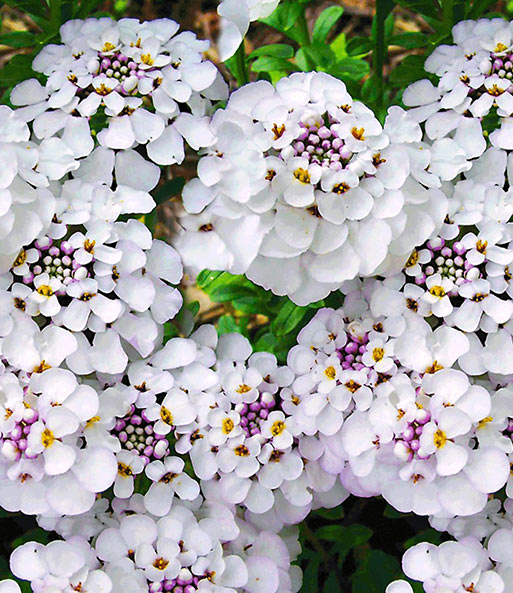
(271, 322)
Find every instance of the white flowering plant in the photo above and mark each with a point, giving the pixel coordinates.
(256, 297)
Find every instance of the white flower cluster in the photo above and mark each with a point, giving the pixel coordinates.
(181, 465)
(148, 83)
(203, 547)
(304, 188)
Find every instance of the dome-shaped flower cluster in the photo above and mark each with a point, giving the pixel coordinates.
(304, 188)
(148, 83)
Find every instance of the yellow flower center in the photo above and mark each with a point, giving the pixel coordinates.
(481, 246)
(45, 290)
(47, 438)
(243, 388)
(437, 291)
(20, 259)
(92, 421)
(89, 245)
(108, 46)
(413, 259)
(41, 367)
(340, 188)
(330, 372)
(124, 470)
(352, 386)
(147, 59)
(500, 47)
(166, 416)
(278, 427)
(358, 133)
(439, 439)
(302, 175)
(227, 425)
(484, 421)
(377, 354)
(278, 131)
(241, 451)
(160, 563)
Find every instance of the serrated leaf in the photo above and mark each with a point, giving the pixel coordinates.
(277, 50)
(272, 64)
(18, 39)
(325, 22)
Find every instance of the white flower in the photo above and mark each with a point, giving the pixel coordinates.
(168, 478)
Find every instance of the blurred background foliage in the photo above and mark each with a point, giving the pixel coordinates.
(377, 48)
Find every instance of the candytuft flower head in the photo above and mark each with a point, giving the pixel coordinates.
(317, 183)
(138, 77)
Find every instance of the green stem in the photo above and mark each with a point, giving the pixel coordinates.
(304, 40)
(240, 65)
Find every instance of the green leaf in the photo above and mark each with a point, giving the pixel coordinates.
(375, 573)
(409, 70)
(288, 318)
(426, 535)
(85, 8)
(326, 21)
(194, 307)
(229, 292)
(33, 7)
(358, 46)
(351, 68)
(276, 50)
(284, 17)
(18, 39)
(424, 7)
(478, 8)
(321, 55)
(311, 575)
(37, 535)
(351, 536)
(370, 90)
(207, 277)
(227, 325)
(332, 585)
(17, 69)
(168, 189)
(409, 40)
(270, 64)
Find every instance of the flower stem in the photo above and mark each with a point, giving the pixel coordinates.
(240, 65)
